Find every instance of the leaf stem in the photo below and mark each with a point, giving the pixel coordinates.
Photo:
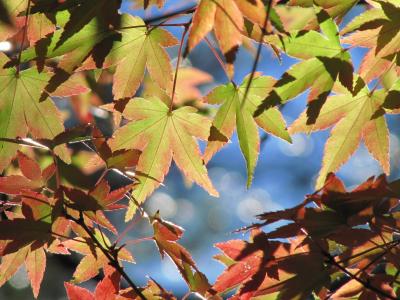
(217, 56)
(24, 34)
(258, 54)
(185, 30)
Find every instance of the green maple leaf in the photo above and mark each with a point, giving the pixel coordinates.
(137, 48)
(324, 61)
(333, 7)
(22, 111)
(355, 118)
(376, 28)
(103, 12)
(75, 49)
(234, 113)
(128, 45)
(162, 135)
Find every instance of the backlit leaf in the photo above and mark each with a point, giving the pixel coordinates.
(162, 134)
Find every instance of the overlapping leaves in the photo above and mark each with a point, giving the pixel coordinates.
(355, 117)
(24, 110)
(137, 48)
(234, 111)
(327, 239)
(162, 134)
(350, 235)
(226, 18)
(324, 62)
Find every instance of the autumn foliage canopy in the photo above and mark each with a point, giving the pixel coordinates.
(335, 244)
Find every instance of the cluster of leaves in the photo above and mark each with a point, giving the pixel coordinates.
(335, 245)
(81, 50)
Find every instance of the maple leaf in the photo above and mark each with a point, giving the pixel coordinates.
(94, 259)
(33, 177)
(9, 12)
(152, 291)
(107, 288)
(356, 117)
(166, 235)
(233, 111)
(353, 288)
(96, 201)
(325, 61)
(377, 29)
(35, 266)
(226, 18)
(334, 8)
(301, 15)
(103, 12)
(137, 48)
(22, 111)
(73, 50)
(38, 24)
(162, 134)
(123, 160)
(262, 267)
(269, 265)
(25, 238)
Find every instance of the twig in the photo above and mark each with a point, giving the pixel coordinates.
(186, 10)
(258, 54)
(28, 9)
(162, 24)
(365, 284)
(58, 179)
(112, 258)
(376, 259)
(185, 30)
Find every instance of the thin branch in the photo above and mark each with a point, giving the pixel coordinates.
(103, 174)
(187, 10)
(331, 260)
(28, 9)
(113, 259)
(58, 179)
(138, 241)
(25, 142)
(127, 229)
(258, 54)
(376, 259)
(162, 24)
(365, 252)
(366, 284)
(68, 237)
(185, 30)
